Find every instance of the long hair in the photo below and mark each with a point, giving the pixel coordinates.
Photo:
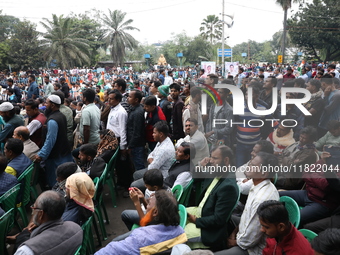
(167, 208)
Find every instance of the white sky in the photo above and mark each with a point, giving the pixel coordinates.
(254, 19)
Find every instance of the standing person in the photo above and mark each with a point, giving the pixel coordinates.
(90, 119)
(177, 131)
(33, 90)
(64, 87)
(161, 76)
(36, 121)
(99, 93)
(120, 85)
(56, 149)
(163, 93)
(136, 129)
(48, 86)
(154, 114)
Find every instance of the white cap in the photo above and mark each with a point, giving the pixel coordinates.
(6, 106)
(54, 99)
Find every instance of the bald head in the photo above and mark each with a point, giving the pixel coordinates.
(21, 133)
(52, 204)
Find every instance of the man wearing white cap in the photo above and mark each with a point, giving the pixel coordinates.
(12, 120)
(56, 149)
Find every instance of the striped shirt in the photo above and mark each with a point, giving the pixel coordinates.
(248, 134)
(249, 236)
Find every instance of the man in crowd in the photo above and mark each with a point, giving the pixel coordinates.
(247, 238)
(332, 137)
(193, 109)
(12, 120)
(281, 137)
(267, 94)
(332, 103)
(327, 242)
(89, 163)
(180, 171)
(36, 121)
(136, 129)
(52, 235)
(289, 75)
(160, 231)
(33, 90)
(16, 90)
(177, 108)
(17, 161)
(120, 85)
(48, 89)
(161, 158)
(90, 119)
(154, 114)
(30, 148)
(69, 116)
(281, 235)
(164, 104)
(198, 139)
(207, 223)
(56, 149)
(7, 181)
(64, 87)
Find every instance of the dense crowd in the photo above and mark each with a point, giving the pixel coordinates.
(70, 123)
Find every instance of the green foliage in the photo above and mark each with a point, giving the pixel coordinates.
(116, 35)
(315, 28)
(7, 25)
(198, 47)
(211, 28)
(4, 55)
(24, 46)
(64, 42)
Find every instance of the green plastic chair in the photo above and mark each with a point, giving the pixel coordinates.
(293, 210)
(99, 205)
(110, 178)
(310, 235)
(5, 222)
(78, 251)
(182, 215)
(177, 191)
(186, 194)
(35, 181)
(87, 246)
(8, 201)
(25, 180)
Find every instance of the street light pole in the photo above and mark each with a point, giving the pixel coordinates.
(222, 38)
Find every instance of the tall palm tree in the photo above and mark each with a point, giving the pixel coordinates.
(211, 28)
(285, 4)
(116, 36)
(63, 43)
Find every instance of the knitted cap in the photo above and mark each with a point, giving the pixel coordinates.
(164, 90)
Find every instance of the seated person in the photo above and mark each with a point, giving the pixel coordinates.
(242, 181)
(327, 242)
(63, 171)
(180, 171)
(318, 199)
(162, 157)
(160, 231)
(247, 238)
(281, 138)
(332, 137)
(7, 181)
(153, 180)
(17, 161)
(107, 145)
(282, 236)
(30, 147)
(79, 193)
(51, 234)
(11, 119)
(298, 155)
(89, 163)
(207, 223)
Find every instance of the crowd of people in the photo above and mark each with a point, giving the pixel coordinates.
(71, 122)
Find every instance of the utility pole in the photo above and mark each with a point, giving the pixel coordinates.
(223, 39)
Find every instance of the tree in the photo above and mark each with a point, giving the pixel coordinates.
(315, 29)
(198, 47)
(178, 44)
(7, 26)
(25, 50)
(211, 28)
(64, 43)
(116, 36)
(285, 4)
(94, 33)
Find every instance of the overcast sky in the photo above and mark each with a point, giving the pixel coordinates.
(157, 19)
